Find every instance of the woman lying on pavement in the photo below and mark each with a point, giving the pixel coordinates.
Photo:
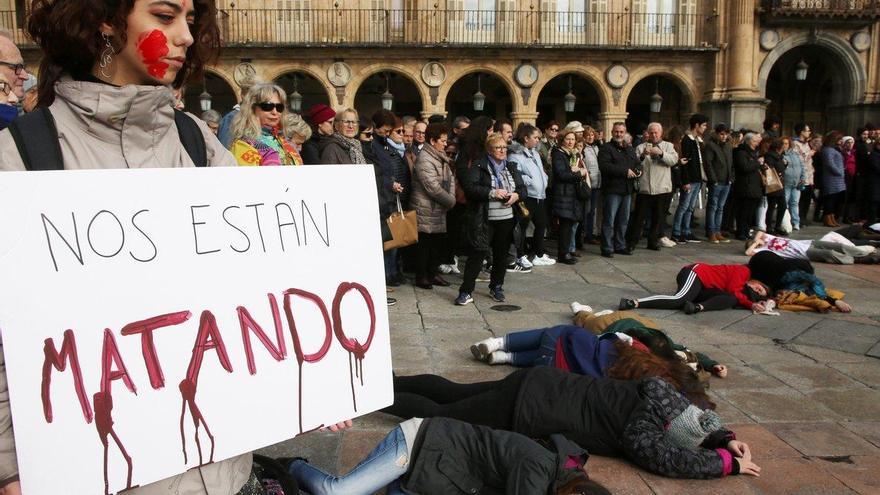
(646, 421)
(613, 354)
(446, 456)
(831, 248)
(703, 287)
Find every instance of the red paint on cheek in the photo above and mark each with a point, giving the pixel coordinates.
(153, 46)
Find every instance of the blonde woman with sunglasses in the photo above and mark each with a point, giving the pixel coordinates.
(259, 129)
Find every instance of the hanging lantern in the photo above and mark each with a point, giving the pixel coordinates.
(205, 100)
(656, 99)
(294, 99)
(800, 71)
(570, 98)
(479, 98)
(387, 97)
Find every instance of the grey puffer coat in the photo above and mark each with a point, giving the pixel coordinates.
(433, 190)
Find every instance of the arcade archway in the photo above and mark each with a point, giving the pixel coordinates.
(552, 101)
(310, 89)
(222, 95)
(405, 96)
(460, 100)
(663, 92)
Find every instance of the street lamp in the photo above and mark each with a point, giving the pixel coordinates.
(387, 97)
(570, 98)
(205, 100)
(479, 97)
(656, 99)
(800, 70)
(294, 99)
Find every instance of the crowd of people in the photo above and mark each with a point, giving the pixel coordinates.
(612, 383)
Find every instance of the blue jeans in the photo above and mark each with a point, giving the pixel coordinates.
(792, 200)
(590, 213)
(687, 201)
(615, 218)
(572, 245)
(532, 347)
(390, 258)
(381, 468)
(715, 208)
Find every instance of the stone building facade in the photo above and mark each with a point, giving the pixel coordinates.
(735, 60)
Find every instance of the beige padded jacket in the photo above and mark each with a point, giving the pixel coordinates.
(103, 126)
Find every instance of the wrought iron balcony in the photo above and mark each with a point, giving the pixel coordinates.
(442, 27)
(433, 27)
(853, 12)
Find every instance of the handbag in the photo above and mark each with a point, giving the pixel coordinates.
(582, 190)
(404, 227)
(771, 180)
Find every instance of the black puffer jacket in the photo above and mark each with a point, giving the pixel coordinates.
(616, 417)
(565, 182)
(311, 149)
(719, 161)
(614, 162)
(453, 457)
(394, 167)
(777, 164)
(476, 182)
(748, 183)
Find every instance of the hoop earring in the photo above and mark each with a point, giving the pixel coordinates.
(106, 56)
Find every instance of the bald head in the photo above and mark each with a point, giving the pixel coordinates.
(10, 55)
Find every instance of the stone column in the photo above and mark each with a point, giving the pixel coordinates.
(607, 119)
(429, 113)
(747, 106)
(523, 117)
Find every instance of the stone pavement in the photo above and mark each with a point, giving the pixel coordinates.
(803, 389)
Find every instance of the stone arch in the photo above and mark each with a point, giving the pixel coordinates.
(684, 83)
(226, 78)
(224, 93)
(590, 74)
(512, 88)
(847, 61)
(399, 69)
(322, 78)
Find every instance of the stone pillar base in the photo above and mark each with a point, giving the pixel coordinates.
(607, 119)
(748, 113)
(426, 114)
(523, 117)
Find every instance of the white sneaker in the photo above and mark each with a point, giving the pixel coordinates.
(577, 307)
(667, 242)
(455, 269)
(543, 261)
(445, 269)
(524, 261)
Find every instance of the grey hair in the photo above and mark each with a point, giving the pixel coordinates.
(655, 124)
(295, 125)
(212, 116)
(750, 136)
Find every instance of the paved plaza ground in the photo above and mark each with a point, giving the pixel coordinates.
(802, 389)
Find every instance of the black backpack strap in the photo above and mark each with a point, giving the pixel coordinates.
(36, 138)
(192, 138)
(274, 469)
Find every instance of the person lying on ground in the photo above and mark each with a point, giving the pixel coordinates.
(831, 248)
(646, 421)
(703, 287)
(861, 234)
(571, 348)
(443, 456)
(803, 291)
(647, 332)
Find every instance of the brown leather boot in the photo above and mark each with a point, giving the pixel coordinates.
(828, 220)
(834, 221)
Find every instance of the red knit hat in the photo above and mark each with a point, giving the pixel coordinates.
(319, 114)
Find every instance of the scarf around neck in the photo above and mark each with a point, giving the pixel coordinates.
(352, 145)
(399, 148)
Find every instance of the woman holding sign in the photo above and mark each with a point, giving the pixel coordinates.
(105, 79)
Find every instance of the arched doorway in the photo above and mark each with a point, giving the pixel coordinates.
(460, 100)
(223, 97)
(834, 86)
(311, 89)
(405, 96)
(813, 99)
(674, 105)
(552, 101)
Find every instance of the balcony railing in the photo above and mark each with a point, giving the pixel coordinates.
(822, 8)
(432, 27)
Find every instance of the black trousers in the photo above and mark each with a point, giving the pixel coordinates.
(487, 403)
(804, 204)
(452, 243)
(833, 204)
(775, 204)
(564, 239)
(651, 206)
(538, 217)
(428, 254)
(690, 289)
(500, 237)
(746, 214)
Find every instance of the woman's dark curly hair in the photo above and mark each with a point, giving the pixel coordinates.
(68, 33)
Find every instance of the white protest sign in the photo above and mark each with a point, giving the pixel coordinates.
(156, 320)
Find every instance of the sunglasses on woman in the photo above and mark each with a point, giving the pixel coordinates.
(267, 106)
